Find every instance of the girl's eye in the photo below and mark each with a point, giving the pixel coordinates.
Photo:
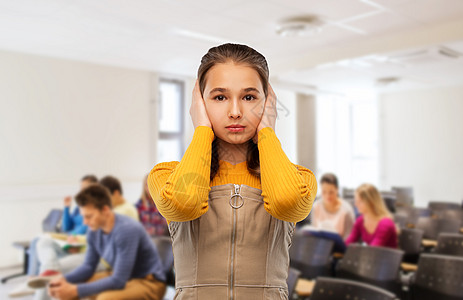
(219, 98)
(249, 97)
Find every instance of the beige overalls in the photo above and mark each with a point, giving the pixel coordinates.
(235, 251)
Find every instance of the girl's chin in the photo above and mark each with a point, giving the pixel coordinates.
(235, 139)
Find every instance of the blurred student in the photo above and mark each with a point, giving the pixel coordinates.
(134, 269)
(155, 224)
(119, 204)
(332, 212)
(44, 249)
(375, 226)
(52, 257)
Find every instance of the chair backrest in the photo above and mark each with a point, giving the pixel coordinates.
(335, 289)
(311, 255)
(453, 214)
(291, 281)
(164, 246)
(390, 198)
(442, 205)
(373, 265)
(438, 277)
(450, 244)
(410, 240)
(433, 227)
(413, 213)
(401, 219)
(52, 222)
(404, 196)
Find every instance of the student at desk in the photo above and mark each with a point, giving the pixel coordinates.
(375, 226)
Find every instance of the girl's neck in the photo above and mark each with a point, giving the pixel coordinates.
(369, 216)
(232, 153)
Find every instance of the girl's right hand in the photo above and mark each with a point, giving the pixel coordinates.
(198, 111)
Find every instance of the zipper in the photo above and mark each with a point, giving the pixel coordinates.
(233, 236)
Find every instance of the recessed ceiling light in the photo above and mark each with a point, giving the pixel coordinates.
(300, 26)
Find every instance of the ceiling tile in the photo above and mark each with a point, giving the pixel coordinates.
(382, 22)
(330, 9)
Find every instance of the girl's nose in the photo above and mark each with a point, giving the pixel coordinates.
(234, 111)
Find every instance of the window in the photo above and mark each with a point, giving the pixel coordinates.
(171, 119)
(347, 139)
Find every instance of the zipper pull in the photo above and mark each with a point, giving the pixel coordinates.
(236, 196)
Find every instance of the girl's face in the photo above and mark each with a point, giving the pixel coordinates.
(234, 98)
(329, 193)
(361, 204)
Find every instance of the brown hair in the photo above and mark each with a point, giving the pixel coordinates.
(145, 197)
(96, 195)
(239, 54)
(330, 178)
(112, 183)
(90, 178)
(368, 193)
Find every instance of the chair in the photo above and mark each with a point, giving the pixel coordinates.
(311, 255)
(410, 242)
(433, 227)
(390, 198)
(164, 246)
(401, 219)
(51, 223)
(404, 196)
(373, 265)
(291, 281)
(450, 214)
(441, 205)
(335, 289)
(450, 244)
(25, 247)
(438, 277)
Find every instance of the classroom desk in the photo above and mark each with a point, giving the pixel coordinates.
(304, 287)
(428, 243)
(408, 267)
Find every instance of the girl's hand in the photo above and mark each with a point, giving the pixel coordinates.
(269, 116)
(198, 111)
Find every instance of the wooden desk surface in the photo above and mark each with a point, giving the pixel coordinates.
(304, 287)
(429, 243)
(408, 267)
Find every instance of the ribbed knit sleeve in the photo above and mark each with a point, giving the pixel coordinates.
(180, 190)
(288, 189)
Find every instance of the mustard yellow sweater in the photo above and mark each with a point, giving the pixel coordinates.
(181, 189)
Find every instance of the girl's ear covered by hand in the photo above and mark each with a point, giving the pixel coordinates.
(269, 116)
(198, 111)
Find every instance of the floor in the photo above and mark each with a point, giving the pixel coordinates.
(12, 283)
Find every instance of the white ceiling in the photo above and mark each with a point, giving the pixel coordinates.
(354, 48)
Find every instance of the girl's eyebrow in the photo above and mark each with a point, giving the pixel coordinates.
(224, 90)
(251, 89)
(218, 89)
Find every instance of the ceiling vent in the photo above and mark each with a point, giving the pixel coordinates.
(425, 56)
(300, 26)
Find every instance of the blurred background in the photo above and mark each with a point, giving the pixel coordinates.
(371, 90)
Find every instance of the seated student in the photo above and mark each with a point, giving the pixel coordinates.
(155, 224)
(375, 226)
(53, 260)
(134, 267)
(119, 204)
(332, 212)
(44, 247)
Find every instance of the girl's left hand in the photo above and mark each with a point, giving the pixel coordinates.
(269, 116)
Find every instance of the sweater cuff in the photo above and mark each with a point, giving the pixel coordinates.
(204, 133)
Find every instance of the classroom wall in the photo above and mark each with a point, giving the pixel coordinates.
(60, 120)
(421, 142)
